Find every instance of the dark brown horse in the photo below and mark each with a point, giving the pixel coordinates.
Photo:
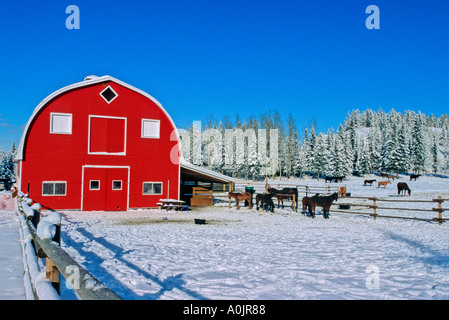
(370, 182)
(266, 202)
(402, 188)
(306, 204)
(239, 196)
(289, 191)
(414, 176)
(322, 201)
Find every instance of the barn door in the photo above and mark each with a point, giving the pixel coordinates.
(105, 189)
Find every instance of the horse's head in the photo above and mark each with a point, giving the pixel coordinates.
(271, 190)
(335, 196)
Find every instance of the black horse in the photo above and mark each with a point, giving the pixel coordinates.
(402, 188)
(414, 176)
(336, 179)
(266, 202)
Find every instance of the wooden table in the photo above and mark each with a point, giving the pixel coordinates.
(171, 204)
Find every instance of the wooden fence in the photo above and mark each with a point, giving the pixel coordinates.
(45, 236)
(375, 208)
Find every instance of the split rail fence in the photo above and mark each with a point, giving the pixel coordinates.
(42, 239)
(375, 208)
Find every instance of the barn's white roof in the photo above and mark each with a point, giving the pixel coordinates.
(186, 166)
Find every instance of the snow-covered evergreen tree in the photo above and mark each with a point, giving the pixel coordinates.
(7, 168)
(397, 158)
(197, 153)
(435, 156)
(253, 165)
(363, 165)
(418, 145)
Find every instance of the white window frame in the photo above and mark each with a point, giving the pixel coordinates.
(54, 189)
(101, 94)
(158, 132)
(52, 114)
(90, 185)
(121, 184)
(107, 153)
(153, 182)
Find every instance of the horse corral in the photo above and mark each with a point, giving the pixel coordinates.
(315, 189)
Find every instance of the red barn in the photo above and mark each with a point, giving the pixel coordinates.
(100, 144)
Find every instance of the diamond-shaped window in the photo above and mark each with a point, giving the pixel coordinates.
(109, 94)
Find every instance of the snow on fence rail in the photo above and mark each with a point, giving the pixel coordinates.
(375, 207)
(42, 240)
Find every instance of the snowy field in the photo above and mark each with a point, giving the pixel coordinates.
(246, 254)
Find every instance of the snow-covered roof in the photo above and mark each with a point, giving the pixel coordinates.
(89, 80)
(187, 167)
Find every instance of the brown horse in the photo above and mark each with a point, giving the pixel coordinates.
(383, 183)
(370, 182)
(322, 201)
(265, 201)
(306, 203)
(289, 191)
(239, 196)
(402, 188)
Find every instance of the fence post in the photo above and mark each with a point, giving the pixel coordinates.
(374, 208)
(440, 212)
(294, 203)
(52, 272)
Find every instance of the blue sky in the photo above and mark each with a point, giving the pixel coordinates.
(313, 59)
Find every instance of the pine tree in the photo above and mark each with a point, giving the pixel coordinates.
(435, 156)
(321, 156)
(7, 167)
(364, 164)
(338, 162)
(418, 147)
(253, 160)
(195, 134)
(398, 158)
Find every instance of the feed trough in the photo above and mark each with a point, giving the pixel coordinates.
(200, 221)
(344, 206)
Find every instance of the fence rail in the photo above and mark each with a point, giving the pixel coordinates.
(45, 236)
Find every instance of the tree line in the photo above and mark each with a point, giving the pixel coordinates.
(367, 141)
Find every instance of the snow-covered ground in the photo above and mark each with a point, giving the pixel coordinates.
(246, 254)
(11, 267)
